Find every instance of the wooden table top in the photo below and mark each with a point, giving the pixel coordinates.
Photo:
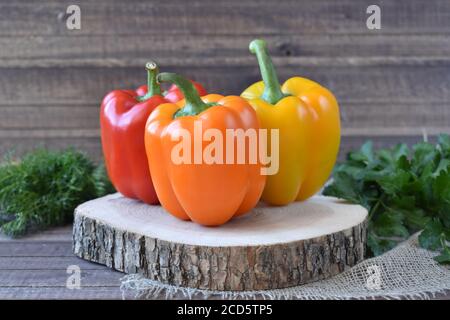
(35, 267)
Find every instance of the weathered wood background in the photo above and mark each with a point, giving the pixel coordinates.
(393, 84)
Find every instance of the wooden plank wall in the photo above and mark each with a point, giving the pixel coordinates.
(393, 84)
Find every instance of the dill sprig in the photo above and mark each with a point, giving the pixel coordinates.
(44, 187)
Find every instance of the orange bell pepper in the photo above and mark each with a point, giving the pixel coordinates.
(204, 192)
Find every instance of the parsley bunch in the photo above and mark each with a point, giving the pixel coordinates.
(43, 189)
(405, 190)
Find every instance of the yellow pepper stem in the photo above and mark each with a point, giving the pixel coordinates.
(272, 89)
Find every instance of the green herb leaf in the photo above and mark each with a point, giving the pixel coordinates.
(430, 238)
(444, 257)
(405, 190)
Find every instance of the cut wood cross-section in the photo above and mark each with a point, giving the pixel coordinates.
(269, 248)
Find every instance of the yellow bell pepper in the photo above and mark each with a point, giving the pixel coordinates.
(307, 116)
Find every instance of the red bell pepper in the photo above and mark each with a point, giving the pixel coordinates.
(123, 115)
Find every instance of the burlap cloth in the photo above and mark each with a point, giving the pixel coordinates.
(407, 272)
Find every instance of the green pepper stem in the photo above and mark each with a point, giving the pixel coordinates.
(153, 87)
(272, 89)
(193, 104)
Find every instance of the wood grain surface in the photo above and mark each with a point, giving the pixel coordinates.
(393, 84)
(268, 248)
(35, 267)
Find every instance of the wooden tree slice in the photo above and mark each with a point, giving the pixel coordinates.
(271, 247)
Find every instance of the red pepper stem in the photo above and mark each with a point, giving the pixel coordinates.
(272, 89)
(193, 103)
(153, 87)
